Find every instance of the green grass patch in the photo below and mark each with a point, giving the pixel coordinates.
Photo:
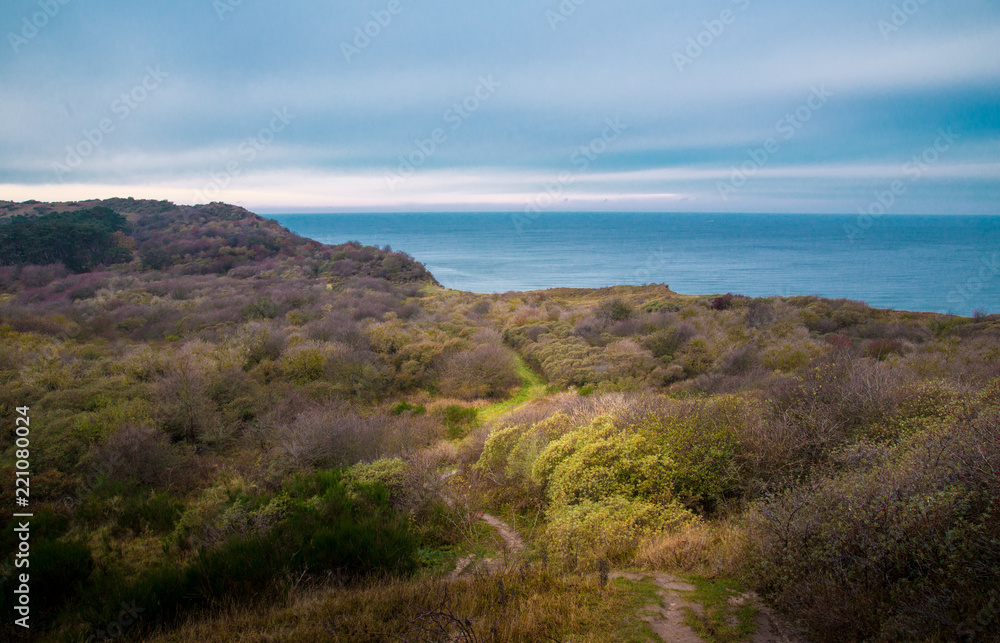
(403, 407)
(432, 561)
(459, 420)
(626, 602)
(533, 387)
(723, 618)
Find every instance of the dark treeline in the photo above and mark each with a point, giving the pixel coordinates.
(80, 240)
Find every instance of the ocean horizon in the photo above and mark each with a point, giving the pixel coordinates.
(945, 264)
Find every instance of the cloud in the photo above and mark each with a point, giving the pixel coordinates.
(559, 81)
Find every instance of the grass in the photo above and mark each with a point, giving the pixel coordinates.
(533, 388)
(531, 605)
(722, 618)
(639, 595)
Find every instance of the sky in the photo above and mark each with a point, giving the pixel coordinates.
(825, 106)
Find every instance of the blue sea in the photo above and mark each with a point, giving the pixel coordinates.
(922, 263)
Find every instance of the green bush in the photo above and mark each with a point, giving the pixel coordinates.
(615, 310)
(601, 460)
(158, 512)
(702, 439)
(390, 473)
(580, 536)
(260, 308)
(58, 571)
(303, 365)
(325, 526)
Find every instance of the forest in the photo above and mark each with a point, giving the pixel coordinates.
(79, 240)
(238, 434)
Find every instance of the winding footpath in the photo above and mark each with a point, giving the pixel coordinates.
(666, 619)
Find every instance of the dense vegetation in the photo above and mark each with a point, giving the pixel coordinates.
(79, 240)
(241, 429)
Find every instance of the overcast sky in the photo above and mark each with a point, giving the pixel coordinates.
(308, 105)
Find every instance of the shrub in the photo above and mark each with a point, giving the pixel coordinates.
(741, 360)
(335, 435)
(158, 512)
(81, 292)
(615, 310)
(509, 454)
(813, 414)
(664, 343)
(695, 357)
(324, 528)
(598, 461)
(760, 314)
(579, 536)
(393, 474)
(900, 546)
(725, 302)
(58, 572)
(134, 453)
(403, 407)
(183, 407)
(487, 371)
(881, 349)
(789, 356)
(260, 308)
(303, 364)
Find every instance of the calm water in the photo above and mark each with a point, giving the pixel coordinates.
(943, 264)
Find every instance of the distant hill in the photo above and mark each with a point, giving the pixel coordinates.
(216, 238)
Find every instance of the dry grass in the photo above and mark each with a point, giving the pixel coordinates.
(698, 548)
(521, 604)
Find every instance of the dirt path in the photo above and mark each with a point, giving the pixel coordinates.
(667, 619)
(512, 541)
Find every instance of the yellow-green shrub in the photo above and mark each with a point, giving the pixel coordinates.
(303, 364)
(388, 472)
(702, 441)
(612, 528)
(512, 451)
(600, 461)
